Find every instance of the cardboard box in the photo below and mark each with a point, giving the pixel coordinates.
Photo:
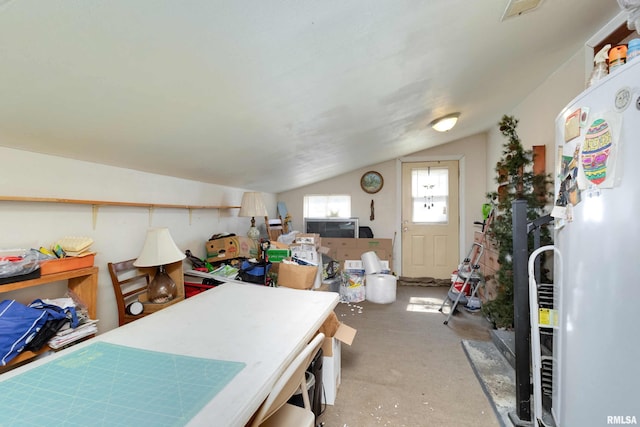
(342, 248)
(303, 247)
(382, 253)
(375, 244)
(278, 245)
(333, 328)
(297, 276)
(356, 264)
(348, 253)
(306, 253)
(338, 242)
(356, 253)
(331, 371)
(231, 247)
(308, 238)
(336, 333)
(331, 252)
(330, 325)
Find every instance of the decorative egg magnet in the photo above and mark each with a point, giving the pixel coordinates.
(595, 151)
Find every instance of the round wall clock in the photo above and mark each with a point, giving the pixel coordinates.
(371, 182)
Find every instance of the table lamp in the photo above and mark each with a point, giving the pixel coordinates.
(252, 206)
(160, 249)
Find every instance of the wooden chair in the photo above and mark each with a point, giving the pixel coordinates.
(275, 411)
(128, 284)
(274, 228)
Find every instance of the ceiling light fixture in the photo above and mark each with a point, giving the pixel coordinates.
(445, 123)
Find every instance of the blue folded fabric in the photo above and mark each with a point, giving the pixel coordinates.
(18, 325)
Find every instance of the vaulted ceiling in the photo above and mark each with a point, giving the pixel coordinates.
(269, 95)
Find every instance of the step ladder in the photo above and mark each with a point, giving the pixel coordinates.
(468, 274)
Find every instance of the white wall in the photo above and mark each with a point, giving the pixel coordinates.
(384, 200)
(120, 231)
(537, 113)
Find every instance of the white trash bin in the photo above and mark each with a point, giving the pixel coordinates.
(381, 288)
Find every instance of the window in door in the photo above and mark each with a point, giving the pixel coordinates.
(430, 195)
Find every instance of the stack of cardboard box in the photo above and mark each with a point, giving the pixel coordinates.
(342, 249)
(307, 247)
(303, 270)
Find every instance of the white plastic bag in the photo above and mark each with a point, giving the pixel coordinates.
(353, 286)
(28, 263)
(632, 7)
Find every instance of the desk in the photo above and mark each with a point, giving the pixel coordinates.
(260, 326)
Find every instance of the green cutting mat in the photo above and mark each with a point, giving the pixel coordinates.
(111, 385)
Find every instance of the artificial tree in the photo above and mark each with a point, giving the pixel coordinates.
(516, 180)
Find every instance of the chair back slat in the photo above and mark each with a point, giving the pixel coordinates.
(289, 382)
(128, 283)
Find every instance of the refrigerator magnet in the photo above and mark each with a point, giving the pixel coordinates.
(572, 126)
(622, 99)
(584, 117)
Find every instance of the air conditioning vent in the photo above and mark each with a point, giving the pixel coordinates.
(518, 7)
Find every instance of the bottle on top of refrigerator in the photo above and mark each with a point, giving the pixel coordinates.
(617, 57)
(633, 49)
(600, 65)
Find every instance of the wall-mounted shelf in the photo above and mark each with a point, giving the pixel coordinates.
(97, 203)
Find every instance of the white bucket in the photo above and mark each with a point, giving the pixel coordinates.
(381, 288)
(371, 263)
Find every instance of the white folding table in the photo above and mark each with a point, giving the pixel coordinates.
(262, 327)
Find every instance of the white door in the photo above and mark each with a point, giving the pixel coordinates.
(430, 219)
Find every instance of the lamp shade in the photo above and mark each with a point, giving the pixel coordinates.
(252, 205)
(159, 249)
(445, 123)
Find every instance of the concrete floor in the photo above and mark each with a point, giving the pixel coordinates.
(405, 368)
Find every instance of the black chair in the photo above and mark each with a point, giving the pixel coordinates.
(365, 232)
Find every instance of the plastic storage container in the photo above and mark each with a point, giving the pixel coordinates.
(617, 57)
(633, 49)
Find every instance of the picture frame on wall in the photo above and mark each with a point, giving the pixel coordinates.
(371, 182)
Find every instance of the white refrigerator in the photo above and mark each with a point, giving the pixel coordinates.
(596, 351)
